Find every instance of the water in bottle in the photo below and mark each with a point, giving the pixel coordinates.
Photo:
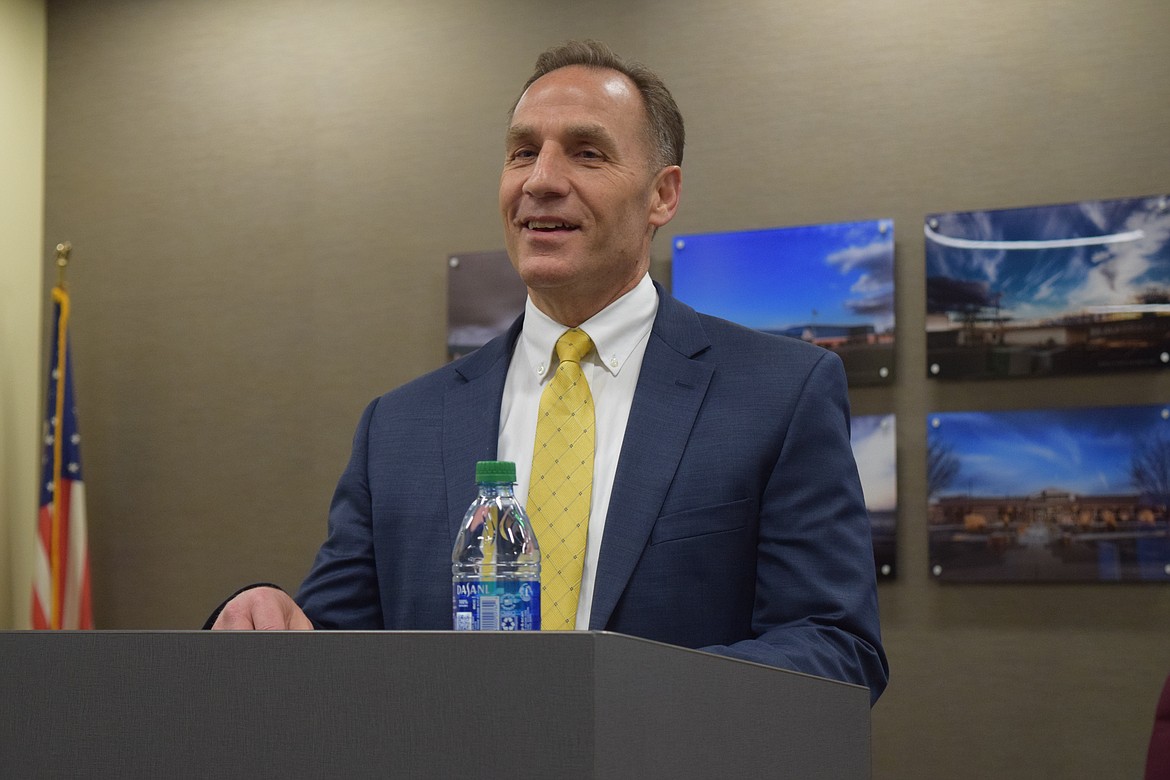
(495, 566)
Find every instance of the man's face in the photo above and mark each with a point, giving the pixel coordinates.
(578, 195)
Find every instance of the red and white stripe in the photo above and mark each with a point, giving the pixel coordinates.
(62, 601)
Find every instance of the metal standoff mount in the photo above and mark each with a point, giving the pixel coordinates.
(63, 250)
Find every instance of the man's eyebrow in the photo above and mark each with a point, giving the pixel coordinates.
(518, 133)
(589, 133)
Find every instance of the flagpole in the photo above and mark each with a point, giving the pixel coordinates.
(61, 297)
(61, 592)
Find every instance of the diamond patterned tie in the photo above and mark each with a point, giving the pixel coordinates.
(562, 481)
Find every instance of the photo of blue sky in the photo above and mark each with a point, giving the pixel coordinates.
(1084, 451)
(834, 274)
(1045, 262)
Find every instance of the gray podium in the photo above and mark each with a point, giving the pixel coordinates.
(412, 704)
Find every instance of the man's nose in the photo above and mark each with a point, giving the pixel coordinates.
(548, 175)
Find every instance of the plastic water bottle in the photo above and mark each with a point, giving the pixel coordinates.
(495, 566)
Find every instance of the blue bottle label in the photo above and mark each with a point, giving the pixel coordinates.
(499, 605)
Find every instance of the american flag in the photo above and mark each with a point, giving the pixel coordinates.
(61, 597)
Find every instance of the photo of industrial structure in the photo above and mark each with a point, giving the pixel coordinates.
(1049, 290)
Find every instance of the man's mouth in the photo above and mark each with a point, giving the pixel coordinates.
(548, 225)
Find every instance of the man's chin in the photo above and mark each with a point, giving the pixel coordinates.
(544, 272)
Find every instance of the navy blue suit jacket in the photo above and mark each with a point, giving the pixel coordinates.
(736, 525)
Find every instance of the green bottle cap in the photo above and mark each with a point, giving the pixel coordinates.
(499, 471)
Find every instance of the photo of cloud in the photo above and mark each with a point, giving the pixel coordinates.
(1050, 494)
(874, 442)
(1049, 290)
(830, 284)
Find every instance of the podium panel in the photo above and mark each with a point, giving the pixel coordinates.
(413, 704)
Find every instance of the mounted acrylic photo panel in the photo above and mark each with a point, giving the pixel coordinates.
(830, 284)
(1050, 495)
(484, 296)
(874, 441)
(1056, 290)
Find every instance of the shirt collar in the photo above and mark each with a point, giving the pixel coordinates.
(615, 330)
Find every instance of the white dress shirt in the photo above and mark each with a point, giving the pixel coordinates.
(619, 333)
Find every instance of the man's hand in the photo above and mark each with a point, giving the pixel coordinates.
(262, 609)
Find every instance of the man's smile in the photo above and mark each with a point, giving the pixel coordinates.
(548, 225)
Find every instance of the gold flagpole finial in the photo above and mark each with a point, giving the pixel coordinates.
(63, 250)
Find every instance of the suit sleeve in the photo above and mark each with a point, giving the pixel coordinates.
(341, 589)
(816, 597)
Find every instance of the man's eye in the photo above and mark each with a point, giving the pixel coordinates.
(590, 154)
(522, 154)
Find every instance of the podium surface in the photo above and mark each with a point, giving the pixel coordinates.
(413, 704)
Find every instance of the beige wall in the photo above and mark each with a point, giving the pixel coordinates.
(22, 181)
(262, 194)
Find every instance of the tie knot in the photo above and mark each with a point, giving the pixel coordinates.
(573, 345)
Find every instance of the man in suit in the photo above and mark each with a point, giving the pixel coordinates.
(726, 513)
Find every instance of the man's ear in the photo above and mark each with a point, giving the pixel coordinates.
(667, 190)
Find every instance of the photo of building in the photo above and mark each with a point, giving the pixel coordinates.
(1050, 495)
(831, 285)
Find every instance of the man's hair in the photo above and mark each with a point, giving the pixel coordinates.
(664, 120)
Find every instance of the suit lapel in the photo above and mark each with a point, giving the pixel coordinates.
(471, 419)
(671, 388)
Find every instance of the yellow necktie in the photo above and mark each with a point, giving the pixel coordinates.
(562, 481)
